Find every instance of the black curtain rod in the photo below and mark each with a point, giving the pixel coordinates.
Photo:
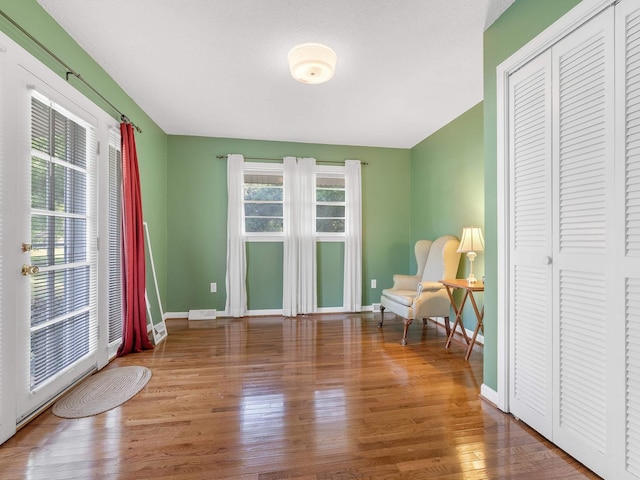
(70, 71)
(280, 159)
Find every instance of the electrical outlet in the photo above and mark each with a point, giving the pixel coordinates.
(214, 287)
(373, 283)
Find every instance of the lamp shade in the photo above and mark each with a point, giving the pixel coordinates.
(472, 240)
(312, 63)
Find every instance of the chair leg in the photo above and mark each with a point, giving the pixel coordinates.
(407, 322)
(381, 316)
(447, 326)
(424, 322)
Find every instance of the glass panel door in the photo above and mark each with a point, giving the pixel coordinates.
(61, 253)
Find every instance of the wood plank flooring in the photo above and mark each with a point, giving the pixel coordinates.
(318, 397)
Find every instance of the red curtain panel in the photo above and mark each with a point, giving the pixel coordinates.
(134, 328)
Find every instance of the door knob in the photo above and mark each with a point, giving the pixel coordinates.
(26, 247)
(30, 270)
(546, 260)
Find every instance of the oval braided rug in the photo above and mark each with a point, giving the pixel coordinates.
(102, 391)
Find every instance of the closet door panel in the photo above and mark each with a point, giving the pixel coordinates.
(530, 248)
(582, 173)
(627, 373)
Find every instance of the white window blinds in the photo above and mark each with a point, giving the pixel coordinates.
(115, 237)
(63, 293)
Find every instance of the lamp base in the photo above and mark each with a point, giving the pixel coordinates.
(471, 279)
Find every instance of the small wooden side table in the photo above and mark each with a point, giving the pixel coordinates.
(469, 289)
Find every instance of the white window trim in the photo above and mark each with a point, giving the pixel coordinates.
(278, 168)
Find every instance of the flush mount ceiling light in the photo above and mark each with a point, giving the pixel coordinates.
(312, 63)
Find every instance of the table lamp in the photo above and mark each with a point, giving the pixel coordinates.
(472, 242)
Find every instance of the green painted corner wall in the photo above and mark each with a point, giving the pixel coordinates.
(151, 145)
(447, 185)
(197, 214)
(519, 24)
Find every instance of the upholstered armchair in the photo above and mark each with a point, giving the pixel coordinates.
(422, 295)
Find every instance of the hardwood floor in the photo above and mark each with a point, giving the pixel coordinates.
(318, 397)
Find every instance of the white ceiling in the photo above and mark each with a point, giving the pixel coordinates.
(218, 68)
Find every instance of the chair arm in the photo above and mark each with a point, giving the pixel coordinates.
(429, 287)
(405, 282)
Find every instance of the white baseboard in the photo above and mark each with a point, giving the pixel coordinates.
(209, 314)
(264, 313)
(260, 313)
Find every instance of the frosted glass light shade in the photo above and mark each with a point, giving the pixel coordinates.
(312, 63)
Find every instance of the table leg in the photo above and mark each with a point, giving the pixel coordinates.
(480, 317)
(458, 312)
(455, 312)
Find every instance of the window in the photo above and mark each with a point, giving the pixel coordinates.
(299, 203)
(63, 295)
(263, 202)
(330, 203)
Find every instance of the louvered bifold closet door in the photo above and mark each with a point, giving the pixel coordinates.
(582, 172)
(627, 281)
(530, 246)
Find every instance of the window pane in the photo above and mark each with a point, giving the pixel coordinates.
(70, 190)
(263, 210)
(254, 224)
(70, 140)
(332, 182)
(39, 183)
(58, 240)
(330, 225)
(63, 298)
(71, 338)
(323, 195)
(40, 125)
(330, 211)
(58, 292)
(261, 193)
(263, 202)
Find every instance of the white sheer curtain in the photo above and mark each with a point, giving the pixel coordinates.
(290, 244)
(307, 290)
(299, 265)
(236, 284)
(352, 297)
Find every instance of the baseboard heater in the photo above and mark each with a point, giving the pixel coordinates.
(202, 314)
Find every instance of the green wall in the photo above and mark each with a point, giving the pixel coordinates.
(447, 179)
(516, 27)
(151, 145)
(197, 213)
(447, 185)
